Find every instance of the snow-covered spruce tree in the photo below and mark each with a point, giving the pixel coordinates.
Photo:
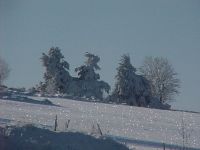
(130, 88)
(87, 71)
(88, 80)
(57, 77)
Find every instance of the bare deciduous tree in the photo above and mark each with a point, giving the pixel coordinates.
(162, 77)
(4, 70)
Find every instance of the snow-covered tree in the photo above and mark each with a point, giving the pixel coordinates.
(88, 80)
(87, 71)
(57, 77)
(125, 76)
(162, 76)
(4, 71)
(130, 88)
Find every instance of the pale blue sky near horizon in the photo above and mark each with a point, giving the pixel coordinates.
(108, 28)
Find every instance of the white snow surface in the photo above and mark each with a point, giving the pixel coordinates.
(139, 128)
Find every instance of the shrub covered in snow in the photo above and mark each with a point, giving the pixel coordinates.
(155, 103)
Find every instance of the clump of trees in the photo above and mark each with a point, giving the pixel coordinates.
(155, 84)
(58, 80)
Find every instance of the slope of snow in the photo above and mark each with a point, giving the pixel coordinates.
(29, 137)
(141, 128)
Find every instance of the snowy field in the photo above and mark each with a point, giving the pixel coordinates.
(139, 128)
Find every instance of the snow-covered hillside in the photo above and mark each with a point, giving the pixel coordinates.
(139, 128)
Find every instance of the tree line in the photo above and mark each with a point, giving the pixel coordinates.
(152, 85)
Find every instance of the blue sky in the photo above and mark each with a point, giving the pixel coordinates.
(108, 28)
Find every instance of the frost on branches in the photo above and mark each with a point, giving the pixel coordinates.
(130, 88)
(57, 78)
(162, 76)
(87, 71)
(87, 84)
